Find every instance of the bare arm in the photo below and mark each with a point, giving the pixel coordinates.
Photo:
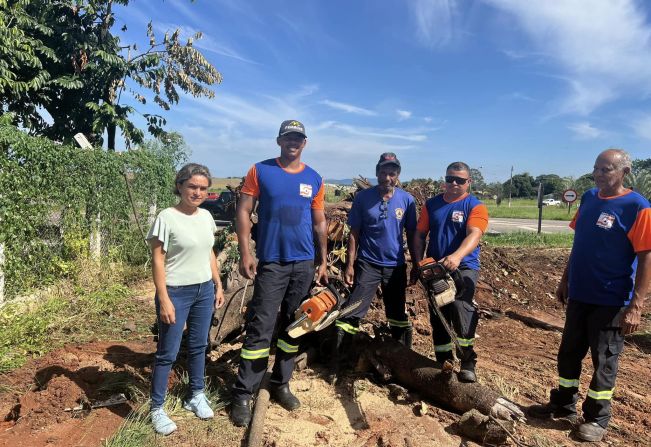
(320, 229)
(216, 278)
(417, 251)
(633, 314)
(351, 255)
(243, 229)
(469, 243)
(167, 311)
(562, 292)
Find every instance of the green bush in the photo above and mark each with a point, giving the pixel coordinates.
(51, 196)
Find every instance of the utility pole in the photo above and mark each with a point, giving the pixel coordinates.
(510, 186)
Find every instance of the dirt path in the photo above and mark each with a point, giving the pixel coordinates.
(517, 359)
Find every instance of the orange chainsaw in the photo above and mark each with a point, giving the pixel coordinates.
(442, 288)
(319, 311)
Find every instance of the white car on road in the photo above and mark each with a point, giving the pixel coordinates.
(551, 202)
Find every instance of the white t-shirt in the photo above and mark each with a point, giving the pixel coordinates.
(187, 242)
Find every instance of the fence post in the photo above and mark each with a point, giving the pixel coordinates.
(95, 239)
(2, 272)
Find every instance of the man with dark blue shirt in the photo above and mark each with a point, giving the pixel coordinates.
(604, 285)
(377, 220)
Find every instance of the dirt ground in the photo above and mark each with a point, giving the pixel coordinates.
(514, 358)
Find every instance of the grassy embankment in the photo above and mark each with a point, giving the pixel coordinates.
(95, 305)
(528, 239)
(528, 209)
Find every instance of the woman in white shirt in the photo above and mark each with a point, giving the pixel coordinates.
(188, 290)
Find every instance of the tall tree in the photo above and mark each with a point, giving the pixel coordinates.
(552, 183)
(86, 69)
(478, 183)
(523, 186)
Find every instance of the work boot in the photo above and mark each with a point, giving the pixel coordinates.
(283, 395)
(335, 355)
(590, 432)
(467, 372)
(241, 411)
(552, 411)
(403, 335)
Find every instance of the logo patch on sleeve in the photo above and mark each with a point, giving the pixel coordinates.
(457, 216)
(306, 190)
(399, 213)
(605, 221)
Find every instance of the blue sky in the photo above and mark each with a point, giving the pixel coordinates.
(540, 85)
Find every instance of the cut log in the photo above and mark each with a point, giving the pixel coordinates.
(425, 376)
(483, 429)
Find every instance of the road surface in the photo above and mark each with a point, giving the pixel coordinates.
(500, 225)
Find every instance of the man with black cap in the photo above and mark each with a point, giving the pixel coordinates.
(455, 222)
(290, 198)
(377, 220)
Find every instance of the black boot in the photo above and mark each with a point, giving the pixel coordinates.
(403, 335)
(283, 395)
(336, 354)
(467, 372)
(241, 411)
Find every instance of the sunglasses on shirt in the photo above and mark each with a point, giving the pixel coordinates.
(455, 179)
(384, 209)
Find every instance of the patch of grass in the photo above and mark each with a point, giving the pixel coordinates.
(136, 430)
(500, 384)
(528, 209)
(529, 239)
(71, 312)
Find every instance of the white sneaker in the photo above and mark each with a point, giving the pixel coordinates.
(200, 406)
(163, 425)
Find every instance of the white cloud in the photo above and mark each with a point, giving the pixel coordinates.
(348, 108)
(518, 96)
(642, 127)
(603, 47)
(403, 114)
(585, 131)
(427, 119)
(434, 21)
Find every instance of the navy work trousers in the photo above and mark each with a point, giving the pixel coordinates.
(597, 328)
(279, 286)
(463, 317)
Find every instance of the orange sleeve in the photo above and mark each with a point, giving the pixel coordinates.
(640, 233)
(319, 199)
(251, 186)
(479, 217)
(423, 220)
(573, 223)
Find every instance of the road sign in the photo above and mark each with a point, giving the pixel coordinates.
(569, 196)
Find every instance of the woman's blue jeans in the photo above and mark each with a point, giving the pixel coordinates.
(195, 305)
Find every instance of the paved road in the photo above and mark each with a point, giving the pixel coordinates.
(510, 225)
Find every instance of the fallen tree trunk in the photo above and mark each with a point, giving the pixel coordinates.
(394, 361)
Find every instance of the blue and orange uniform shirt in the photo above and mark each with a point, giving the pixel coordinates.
(285, 202)
(380, 224)
(609, 232)
(447, 223)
